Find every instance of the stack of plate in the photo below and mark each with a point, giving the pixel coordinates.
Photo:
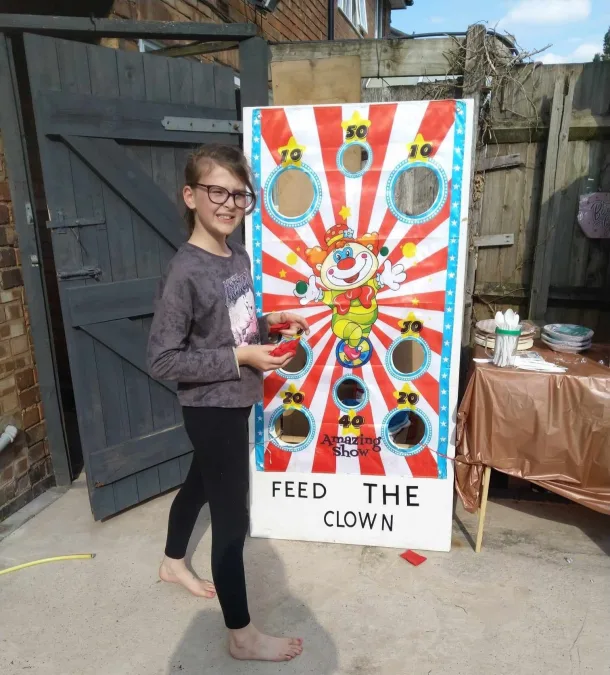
(485, 335)
(567, 337)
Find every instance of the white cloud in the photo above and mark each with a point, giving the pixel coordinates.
(582, 54)
(548, 11)
(437, 19)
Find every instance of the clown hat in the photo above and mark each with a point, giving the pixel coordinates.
(338, 236)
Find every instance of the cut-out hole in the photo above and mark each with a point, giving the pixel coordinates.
(292, 427)
(299, 361)
(415, 190)
(350, 393)
(406, 429)
(293, 193)
(408, 357)
(354, 158)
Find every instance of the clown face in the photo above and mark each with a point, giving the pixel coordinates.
(348, 267)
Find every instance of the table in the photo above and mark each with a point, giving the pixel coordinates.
(550, 429)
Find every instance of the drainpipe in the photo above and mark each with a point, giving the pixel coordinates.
(8, 436)
(331, 20)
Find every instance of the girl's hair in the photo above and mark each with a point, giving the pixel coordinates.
(202, 160)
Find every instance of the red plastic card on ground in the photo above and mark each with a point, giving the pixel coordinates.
(413, 558)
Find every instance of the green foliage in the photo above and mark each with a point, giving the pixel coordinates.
(605, 54)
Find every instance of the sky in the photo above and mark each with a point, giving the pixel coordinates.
(574, 28)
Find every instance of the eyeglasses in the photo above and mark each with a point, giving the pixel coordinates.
(220, 195)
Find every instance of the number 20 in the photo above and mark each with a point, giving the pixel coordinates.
(296, 398)
(411, 398)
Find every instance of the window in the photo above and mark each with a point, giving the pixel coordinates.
(355, 12)
(149, 46)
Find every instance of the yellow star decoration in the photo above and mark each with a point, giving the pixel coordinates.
(345, 212)
(415, 301)
(292, 152)
(415, 149)
(401, 397)
(409, 250)
(292, 258)
(410, 317)
(288, 401)
(298, 249)
(355, 121)
(283, 274)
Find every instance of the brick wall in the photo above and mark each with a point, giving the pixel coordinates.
(25, 465)
(292, 20)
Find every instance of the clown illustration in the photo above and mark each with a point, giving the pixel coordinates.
(350, 274)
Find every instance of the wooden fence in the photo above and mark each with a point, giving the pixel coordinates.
(551, 266)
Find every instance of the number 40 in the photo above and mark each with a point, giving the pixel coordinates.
(356, 422)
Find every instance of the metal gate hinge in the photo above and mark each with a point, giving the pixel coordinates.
(29, 214)
(84, 273)
(201, 124)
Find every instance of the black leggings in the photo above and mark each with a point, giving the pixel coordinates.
(219, 475)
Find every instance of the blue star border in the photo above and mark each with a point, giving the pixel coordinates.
(455, 214)
(452, 272)
(257, 273)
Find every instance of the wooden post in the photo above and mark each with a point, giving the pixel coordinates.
(254, 69)
(474, 79)
(554, 177)
(483, 508)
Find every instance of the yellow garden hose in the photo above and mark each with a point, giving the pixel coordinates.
(78, 556)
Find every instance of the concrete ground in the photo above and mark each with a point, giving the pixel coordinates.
(537, 600)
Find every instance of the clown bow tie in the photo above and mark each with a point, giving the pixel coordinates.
(365, 294)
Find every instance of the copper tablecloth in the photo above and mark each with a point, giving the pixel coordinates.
(551, 429)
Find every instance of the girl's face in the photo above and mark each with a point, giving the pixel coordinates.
(219, 220)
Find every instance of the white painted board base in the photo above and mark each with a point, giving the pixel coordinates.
(388, 511)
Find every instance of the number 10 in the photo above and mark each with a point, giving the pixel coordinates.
(426, 150)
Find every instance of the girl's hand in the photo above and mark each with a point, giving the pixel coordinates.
(296, 322)
(259, 357)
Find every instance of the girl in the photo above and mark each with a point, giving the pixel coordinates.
(205, 335)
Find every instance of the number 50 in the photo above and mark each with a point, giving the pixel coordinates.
(356, 131)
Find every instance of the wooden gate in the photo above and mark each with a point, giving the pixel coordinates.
(114, 129)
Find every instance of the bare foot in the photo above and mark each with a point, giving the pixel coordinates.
(176, 572)
(249, 644)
